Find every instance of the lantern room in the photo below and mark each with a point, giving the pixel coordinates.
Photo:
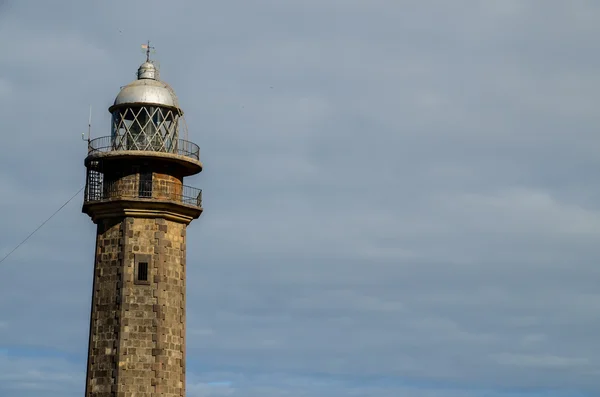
(145, 114)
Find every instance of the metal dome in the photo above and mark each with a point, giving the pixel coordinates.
(147, 71)
(147, 89)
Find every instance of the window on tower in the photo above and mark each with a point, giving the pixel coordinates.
(142, 271)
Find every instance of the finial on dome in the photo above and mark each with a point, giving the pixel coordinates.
(147, 47)
(147, 70)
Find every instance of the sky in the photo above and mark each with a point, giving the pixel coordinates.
(400, 197)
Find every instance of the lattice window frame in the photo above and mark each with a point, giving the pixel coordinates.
(150, 128)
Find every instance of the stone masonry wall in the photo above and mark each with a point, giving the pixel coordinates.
(168, 187)
(149, 356)
(105, 325)
(123, 186)
(125, 182)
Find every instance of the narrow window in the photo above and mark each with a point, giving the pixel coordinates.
(142, 274)
(141, 270)
(145, 184)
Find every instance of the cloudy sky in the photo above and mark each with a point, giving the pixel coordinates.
(401, 197)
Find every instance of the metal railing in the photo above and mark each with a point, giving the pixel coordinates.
(99, 190)
(111, 144)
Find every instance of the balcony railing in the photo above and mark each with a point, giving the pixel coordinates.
(99, 190)
(111, 144)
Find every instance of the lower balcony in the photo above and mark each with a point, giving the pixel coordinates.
(150, 190)
(134, 197)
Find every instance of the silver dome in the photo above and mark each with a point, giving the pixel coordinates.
(147, 90)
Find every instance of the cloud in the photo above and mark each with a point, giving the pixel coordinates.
(29, 376)
(5, 90)
(210, 389)
(400, 199)
(522, 360)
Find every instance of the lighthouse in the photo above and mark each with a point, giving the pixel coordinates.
(136, 196)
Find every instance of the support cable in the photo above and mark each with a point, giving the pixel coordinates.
(43, 223)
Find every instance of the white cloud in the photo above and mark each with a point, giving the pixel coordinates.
(392, 191)
(524, 211)
(209, 390)
(5, 89)
(545, 361)
(30, 376)
(49, 53)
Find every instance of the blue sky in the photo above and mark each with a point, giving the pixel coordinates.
(400, 197)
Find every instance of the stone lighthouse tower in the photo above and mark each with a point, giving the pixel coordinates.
(136, 197)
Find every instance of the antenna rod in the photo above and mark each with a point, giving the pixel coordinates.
(90, 125)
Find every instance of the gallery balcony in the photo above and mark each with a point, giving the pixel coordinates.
(184, 153)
